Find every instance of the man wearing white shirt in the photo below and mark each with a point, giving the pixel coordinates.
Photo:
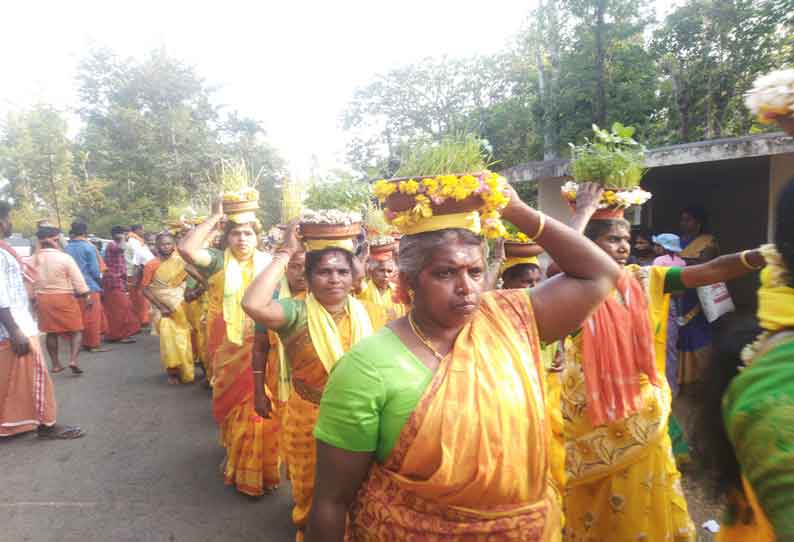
(137, 254)
(27, 398)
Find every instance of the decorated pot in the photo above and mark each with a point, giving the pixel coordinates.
(330, 231)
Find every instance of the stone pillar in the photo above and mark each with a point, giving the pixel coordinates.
(550, 199)
(781, 170)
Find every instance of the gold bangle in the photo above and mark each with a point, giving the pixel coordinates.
(258, 372)
(743, 259)
(541, 226)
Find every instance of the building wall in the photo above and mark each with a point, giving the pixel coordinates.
(550, 199)
(735, 194)
(781, 171)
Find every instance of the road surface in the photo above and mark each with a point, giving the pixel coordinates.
(146, 471)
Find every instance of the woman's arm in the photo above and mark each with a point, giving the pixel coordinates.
(165, 312)
(258, 300)
(339, 475)
(197, 276)
(589, 273)
(722, 269)
(259, 366)
(191, 248)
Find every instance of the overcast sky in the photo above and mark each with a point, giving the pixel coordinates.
(291, 63)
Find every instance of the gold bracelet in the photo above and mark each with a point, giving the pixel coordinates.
(743, 258)
(258, 372)
(541, 226)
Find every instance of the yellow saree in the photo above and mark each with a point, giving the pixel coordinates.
(622, 481)
(168, 286)
(472, 461)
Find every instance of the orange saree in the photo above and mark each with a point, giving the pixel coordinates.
(472, 461)
(308, 380)
(251, 442)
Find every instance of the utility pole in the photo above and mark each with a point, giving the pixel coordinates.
(54, 192)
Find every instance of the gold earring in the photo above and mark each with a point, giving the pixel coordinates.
(411, 295)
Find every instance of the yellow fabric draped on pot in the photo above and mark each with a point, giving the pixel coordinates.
(472, 461)
(512, 262)
(168, 286)
(467, 221)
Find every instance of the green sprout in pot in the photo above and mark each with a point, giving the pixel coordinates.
(612, 158)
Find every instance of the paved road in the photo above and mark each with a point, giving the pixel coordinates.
(146, 471)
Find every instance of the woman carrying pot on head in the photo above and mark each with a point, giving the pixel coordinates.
(251, 442)
(622, 481)
(436, 428)
(379, 288)
(315, 332)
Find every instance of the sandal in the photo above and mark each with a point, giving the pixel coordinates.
(98, 349)
(76, 370)
(58, 370)
(60, 432)
(127, 341)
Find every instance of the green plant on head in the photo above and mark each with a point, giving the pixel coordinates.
(453, 154)
(375, 220)
(344, 195)
(612, 159)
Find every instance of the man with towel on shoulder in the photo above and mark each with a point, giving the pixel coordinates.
(58, 284)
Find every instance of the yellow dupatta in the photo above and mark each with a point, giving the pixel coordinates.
(234, 285)
(324, 333)
(372, 294)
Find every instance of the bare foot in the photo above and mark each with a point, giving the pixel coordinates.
(57, 369)
(172, 380)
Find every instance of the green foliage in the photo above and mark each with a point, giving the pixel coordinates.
(576, 63)
(344, 194)
(453, 154)
(36, 160)
(613, 158)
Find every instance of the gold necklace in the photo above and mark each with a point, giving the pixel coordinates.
(422, 338)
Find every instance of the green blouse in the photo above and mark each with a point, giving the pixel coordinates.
(370, 394)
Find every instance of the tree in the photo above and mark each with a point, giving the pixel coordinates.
(709, 53)
(152, 138)
(420, 102)
(36, 161)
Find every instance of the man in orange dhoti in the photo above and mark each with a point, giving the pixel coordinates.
(58, 280)
(88, 260)
(122, 323)
(27, 399)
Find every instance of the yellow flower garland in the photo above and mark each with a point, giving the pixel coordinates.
(437, 189)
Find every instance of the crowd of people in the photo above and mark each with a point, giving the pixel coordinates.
(426, 389)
